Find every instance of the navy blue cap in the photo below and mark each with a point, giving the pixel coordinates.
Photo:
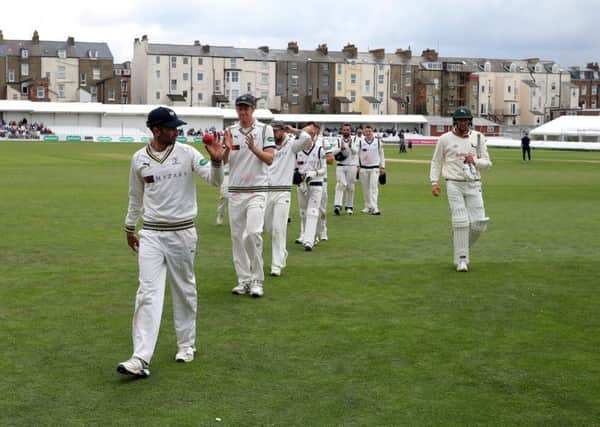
(163, 117)
(246, 99)
(277, 125)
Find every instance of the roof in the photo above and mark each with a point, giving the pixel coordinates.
(343, 99)
(352, 118)
(371, 99)
(570, 125)
(50, 49)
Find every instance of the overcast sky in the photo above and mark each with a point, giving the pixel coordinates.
(564, 31)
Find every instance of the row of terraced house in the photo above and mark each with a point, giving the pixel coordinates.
(521, 92)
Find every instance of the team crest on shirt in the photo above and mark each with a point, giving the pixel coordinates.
(203, 162)
(175, 161)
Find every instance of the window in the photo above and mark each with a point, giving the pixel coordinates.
(62, 53)
(186, 77)
(233, 62)
(249, 86)
(583, 90)
(293, 66)
(594, 103)
(234, 94)
(158, 74)
(200, 77)
(83, 79)
(25, 89)
(353, 79)
(173, 62)
(324, 66)
(395, 87)
(96, 73)
(309, 89)
(264, 95)
(24, 69)
(41, 92)
(380, 97)
(293, 80)
(157, 96)
(93, 90)
(199, 63)
(325, 99)
(482, 89)
(408, 99)
(538, 68)
(487, 67)
(295, 98)
(61, 72)
(185, 60)
(157, 59)
(594, 90)
(381, 79)
(513, 68)
(217, 86)
(173, 84)
(11, 75)
(553, 86)
(380, 67)
(264, 78)
(367, 85)
(353, 95)
(111, 93)
(339, 69)
(513, 108)
(124, 86)
(407, 81)
(199, 96)
(24, 53)
(61, 91)
(184, 93)
(325, 80)
(235, 76)
(264, 65)
(339, 85)
(92, 53)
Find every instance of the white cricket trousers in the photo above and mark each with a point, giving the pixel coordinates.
(345, 179)
(370, 185)
(246, 221)
(163, 252)
(309, 204)
(322, 226)
(276, 217)
(223, 196)
(468, 216)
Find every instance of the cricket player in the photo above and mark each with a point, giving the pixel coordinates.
(162, 190)
(322, 226)
(288, 142)
(249, 150)
(312, 166)
(458, 157)
(346, 155)
(372, 164)
(223, 195)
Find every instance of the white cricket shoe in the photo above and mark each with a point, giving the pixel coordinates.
(462, 266)
(256, 289)
(241, 289)
(134, 367)
(324, 237)
(365, 210)
(275, 272)
(349, 211)
(185, 355)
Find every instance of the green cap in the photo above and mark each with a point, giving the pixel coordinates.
(462, 113)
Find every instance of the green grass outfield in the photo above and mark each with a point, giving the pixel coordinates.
(372, 328)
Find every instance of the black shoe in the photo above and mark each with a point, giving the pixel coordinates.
(337, 210)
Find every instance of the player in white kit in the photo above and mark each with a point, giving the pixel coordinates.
(372, 164)
(458, 157)
(322, 226)
(249, 150)
(162, 190)
(312, 167)
(289, 141)
(346, 155)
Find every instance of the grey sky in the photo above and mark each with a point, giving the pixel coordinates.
(549, 29)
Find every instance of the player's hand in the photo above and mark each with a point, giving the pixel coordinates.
(289, 129)
(133, 241)
(381, 171)
(227, 140)
(250, 142)
(469, 159)
(435, 190)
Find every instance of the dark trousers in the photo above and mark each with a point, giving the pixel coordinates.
(528, 151)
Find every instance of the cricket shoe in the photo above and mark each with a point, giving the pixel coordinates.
(462, 267)
(219, 219)
(375, 212)
(241, 289)
(308, 247)
(349, 211)
(185, 355)
(366, 210)
(275, 272)
(134, 367)
(256, 289)
(337, 210)
(324, 237)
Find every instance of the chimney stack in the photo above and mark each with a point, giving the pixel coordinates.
(350, 50)
(36, 38)
(205, 48)
(404, 54)
(145, 38)
(430, 55)
(378, 53)
(196, 42)
(71, 41)
(323, 49)
(293, 46)
(265, 49)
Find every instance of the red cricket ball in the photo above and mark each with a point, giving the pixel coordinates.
(207, 138)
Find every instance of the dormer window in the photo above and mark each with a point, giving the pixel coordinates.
(538, 68)
(62, 53)
(24, 53)
(513, 68)
(487, 67)
(92, 53)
